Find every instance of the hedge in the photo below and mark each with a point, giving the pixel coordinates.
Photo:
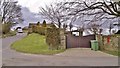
(5, 28)
(0, 28)
(53, 38)
(53, 35)
(42, 30)
(39, 29)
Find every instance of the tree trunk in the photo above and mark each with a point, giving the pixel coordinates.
(59, 24)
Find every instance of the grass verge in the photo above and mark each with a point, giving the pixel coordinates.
(11, 33)
(115, 53)
(34, 44)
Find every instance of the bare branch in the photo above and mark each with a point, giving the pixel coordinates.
(10, 11)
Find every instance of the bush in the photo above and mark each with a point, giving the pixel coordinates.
(42, 30)
(25, 28)
(52, 25)
(53, 38)
(5, 28)
(44, 24)
(38, 29)
(0, 29)
(10, 33)
(38, 23)
(33, 29)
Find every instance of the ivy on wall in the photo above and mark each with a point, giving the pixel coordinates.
(53, 38)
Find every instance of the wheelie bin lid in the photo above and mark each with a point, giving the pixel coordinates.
(93, 40)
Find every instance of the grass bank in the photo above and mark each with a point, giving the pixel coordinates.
(115, 53)
(34, 44)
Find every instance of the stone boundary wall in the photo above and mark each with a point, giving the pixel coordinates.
(110, 42)
(55, 38)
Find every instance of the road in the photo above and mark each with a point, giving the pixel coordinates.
(71, 57)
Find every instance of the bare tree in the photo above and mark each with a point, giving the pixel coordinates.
(98, 11)
(55, 13)
(70, 26)
(111, 7)
(10, 11)
(65, 26)
(95, 12)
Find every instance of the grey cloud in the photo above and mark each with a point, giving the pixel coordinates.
(30, 16)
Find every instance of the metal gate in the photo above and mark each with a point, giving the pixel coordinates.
(78, 41)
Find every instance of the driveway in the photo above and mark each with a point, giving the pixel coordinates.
(71, 57)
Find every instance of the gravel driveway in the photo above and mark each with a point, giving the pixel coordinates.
(71, 57)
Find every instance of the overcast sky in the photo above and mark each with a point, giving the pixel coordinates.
(30, 6)
(34, 5)
(30, 9)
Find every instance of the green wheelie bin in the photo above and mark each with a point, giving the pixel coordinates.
(94, 45)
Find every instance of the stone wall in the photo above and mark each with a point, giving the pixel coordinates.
(112, 44)
(118, 43)
(109, 42)
(62, 40)
(53, 38)
(56, 38)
